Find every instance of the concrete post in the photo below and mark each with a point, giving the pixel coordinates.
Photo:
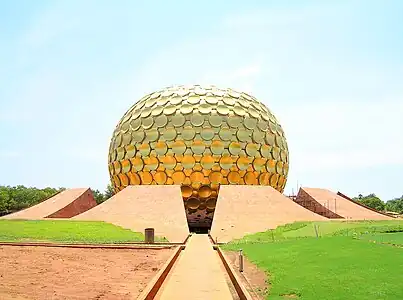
(240, 261)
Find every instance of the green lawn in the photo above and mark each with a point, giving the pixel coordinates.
(388, 238)
(341, 264)
(65, 231)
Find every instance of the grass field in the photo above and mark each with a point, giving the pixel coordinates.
(341, 264)
(65, 231)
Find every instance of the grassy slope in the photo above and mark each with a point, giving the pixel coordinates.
(65, 231)
(331, 267)
(387, 238)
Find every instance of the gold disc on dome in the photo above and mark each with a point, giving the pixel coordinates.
(211, 203)
(138, 136)
(178, 120)
(160, 177)
(197, 120)
(264, 178)
(169, 162)
(279, 167)
(137, 164)
(127, 138)
(270, 138)
(162, 101)
(217, 147)
(124, 180)
(188, 133)
(229, 101)
(273, 180)
(175, 100)
(265, 150)
(243, 163)
(204, 191)
(167, 93)
(194, 99)
(207, 162)
(134, 178)
(250, 123)
(126, 165)
(161, 148)
(234, 177)
(120, 153)
(193, 203)
(262, 125)
(243, 135)
(145, 112)
(151, 162)
(234, 148)
(200, 91)
(223, 110)
(251, 149)
(259, 164)
(271, 166)
(205, 108)
(144, 149)
(215, 177)
(188, 162)
(196, 177)
(226, 162)
(234, 121)
(258, 136)
(152, 135)
(225, 134)
(281, 181)
(178, 177)
(161, 121)
(135, 124)
(169, 110)
(146, 177)
(283, 155)
(207, 134)
(250, 178)
(211, 100)
(198, 147)
(147, 123)
(215, 120)
(117, 167)
(169, 134)
(276, 153)
(186, 108)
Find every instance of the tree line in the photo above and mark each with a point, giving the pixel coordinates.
(15, 198)
(19, 197)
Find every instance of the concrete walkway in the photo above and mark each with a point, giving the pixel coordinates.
(198, 274)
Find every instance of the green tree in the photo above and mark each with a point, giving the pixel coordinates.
(98, 196)
(372, 201)
(109, 192)
(395, 205)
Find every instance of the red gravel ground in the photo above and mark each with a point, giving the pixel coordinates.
(67, 273)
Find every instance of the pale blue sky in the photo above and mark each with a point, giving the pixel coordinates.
(331, 71)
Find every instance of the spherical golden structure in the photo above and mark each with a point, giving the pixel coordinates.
(199, 138)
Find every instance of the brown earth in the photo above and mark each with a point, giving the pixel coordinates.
(66, 273)
(254, 279)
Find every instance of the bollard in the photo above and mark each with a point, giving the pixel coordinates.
(240, 261)
(149, 235)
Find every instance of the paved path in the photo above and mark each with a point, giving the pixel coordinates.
(198, 274)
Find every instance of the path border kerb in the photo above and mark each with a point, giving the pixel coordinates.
(156, 282)
(92, 246)
(236, 281)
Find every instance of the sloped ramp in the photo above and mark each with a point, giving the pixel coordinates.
(65, 204)
(322, 200)
(141, 206)
(243, 210)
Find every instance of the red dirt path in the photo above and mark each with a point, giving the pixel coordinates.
(66, 273)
